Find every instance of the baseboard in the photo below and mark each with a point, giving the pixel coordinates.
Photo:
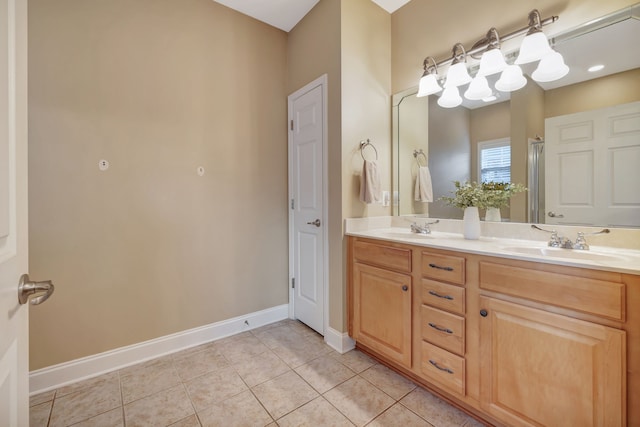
(56, 376)
(339, 341)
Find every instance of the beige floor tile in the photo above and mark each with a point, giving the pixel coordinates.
(112, 418)
(160, 409)
(324, 373)
(388, 381)
(47, 396)
(355, 360)
(301, 352)
(279, 336)
(305, 330)
(239, 350)
(433, 409)
(39, 414)
(85, 403)
(91, 382)
(237, 411)
(472, 422)
(232, 338)
(359, 400)
(214, 387)
(316, 413)
(190, 421)
(200, 363)
(283, 394)
(261, 368)
(148, 378)
(398, 416)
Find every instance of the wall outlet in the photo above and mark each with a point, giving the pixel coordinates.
(103, 165)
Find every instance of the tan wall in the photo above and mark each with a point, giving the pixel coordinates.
(366, 109)
(313, 49)
(149, 248)
(431, 28)
(620, 88)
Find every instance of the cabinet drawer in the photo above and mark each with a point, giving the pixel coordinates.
(444, 296)
(383, 256)
(598, 297)
(443, 368)
(443, 267)
(443, 329)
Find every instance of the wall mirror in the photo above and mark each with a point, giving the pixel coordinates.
(563, 184)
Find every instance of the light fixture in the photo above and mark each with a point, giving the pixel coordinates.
(550, 68)
(429, 81)
(478, 89)
(534, 47)
(595, 68)
(535, 44)
(492, 60)
(457, 74)
(450, 97)
(511, 79)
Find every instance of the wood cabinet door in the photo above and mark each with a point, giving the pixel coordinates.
(543, 369)
(382, 311)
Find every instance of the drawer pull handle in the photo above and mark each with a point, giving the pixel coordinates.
(435, 294)
(405, 288)
(439, 267)
(439, 328)
(434, 363)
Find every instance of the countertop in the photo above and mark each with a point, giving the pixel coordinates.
(597, 257)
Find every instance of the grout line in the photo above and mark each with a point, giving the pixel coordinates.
(124, 418)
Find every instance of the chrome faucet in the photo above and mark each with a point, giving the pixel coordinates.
(424, 229)
(556, 241)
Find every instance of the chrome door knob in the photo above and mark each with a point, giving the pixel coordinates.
(316, 223)
(26, 288)
(555, 215)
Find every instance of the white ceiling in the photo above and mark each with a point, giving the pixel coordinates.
(285, 14)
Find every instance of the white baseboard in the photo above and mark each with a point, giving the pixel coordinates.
(56, 376)
(339, 341)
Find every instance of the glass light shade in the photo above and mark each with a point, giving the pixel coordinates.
(457, 75)
(478, 89)
(550, 68)
(533, 48)
(491, 62)
(511, 79)
(450, 97)
(428, 85)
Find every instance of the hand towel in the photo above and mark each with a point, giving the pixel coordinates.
(424, 189)
(370, 183)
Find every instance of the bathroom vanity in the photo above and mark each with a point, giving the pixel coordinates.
(513, 334)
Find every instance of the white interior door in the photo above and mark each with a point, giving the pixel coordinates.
(593, 167)
(307, 229)
(14, 400)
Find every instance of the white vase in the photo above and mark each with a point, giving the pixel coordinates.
(471, 222)
(493, 214)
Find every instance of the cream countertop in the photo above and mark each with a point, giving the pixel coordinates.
(617, 251)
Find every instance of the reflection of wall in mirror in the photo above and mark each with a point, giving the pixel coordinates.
(413, 125)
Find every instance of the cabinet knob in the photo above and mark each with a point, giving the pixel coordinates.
(484, 313)
(405, 288)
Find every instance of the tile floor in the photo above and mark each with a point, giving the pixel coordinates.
(277, 375)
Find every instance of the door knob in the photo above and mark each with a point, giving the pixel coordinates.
(316, 222)
(555, 215)
(26, 288)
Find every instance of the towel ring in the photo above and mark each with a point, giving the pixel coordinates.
(417, 153)
(364, 144)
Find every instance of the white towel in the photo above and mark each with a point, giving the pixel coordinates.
(370, 183)
(424, 189)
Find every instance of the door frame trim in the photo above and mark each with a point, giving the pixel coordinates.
(323, 82)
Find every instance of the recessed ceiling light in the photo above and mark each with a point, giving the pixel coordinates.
(595, 68)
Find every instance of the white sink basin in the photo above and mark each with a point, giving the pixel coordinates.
(564, 253)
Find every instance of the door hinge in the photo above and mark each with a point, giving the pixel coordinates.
(291, 124)
(293, 204)
(293, 283)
